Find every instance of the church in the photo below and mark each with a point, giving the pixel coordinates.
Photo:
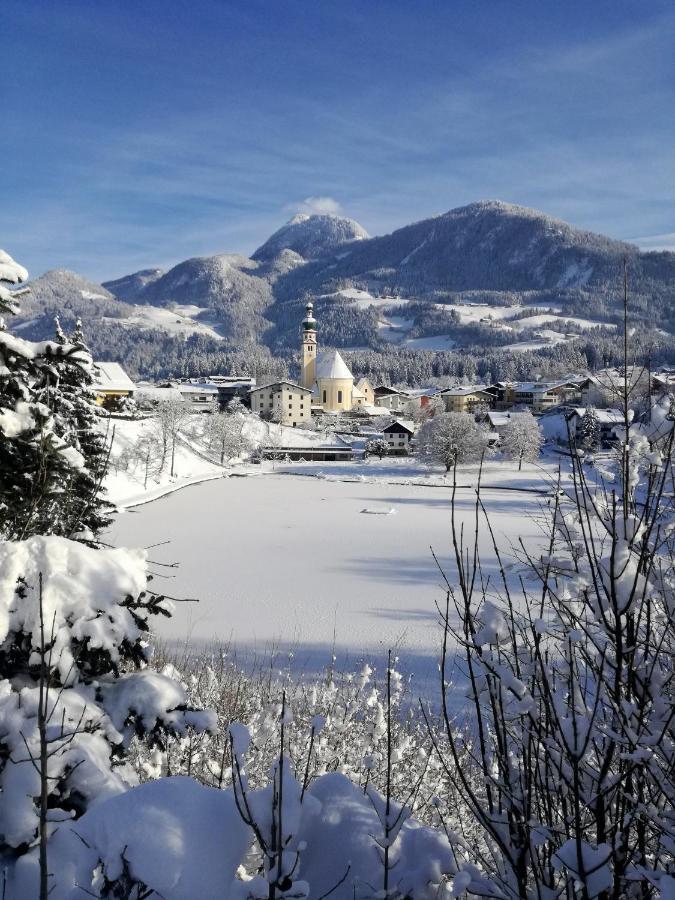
(328, 376)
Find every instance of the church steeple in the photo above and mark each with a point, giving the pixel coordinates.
(309, 347)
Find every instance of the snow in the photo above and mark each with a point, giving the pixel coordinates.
(14, 421)
(78, 584)
(290, 561)
(110, 376)
(183, 839)
(545, 319)
(330, 364)
(181, 320)
(365, 299)
(394, 328)
(193, 464)
(437, 342)
(10, 270)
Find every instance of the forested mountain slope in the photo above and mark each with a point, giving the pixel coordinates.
(484, 279)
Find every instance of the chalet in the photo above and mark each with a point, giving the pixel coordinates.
(200, 397)
(605, 389)
(283, 401)
(608, 420)
(466, 398)
(111, 384)
(390, 398)
(398, 435)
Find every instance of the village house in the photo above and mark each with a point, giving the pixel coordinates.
(390, 398)
(282, 401)
(200, 397)
(607, 419)
(363, 394)
(398, 435)
(466, 398)
(605, 389)
(111, 384)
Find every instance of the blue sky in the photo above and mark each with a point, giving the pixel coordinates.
(142, 132)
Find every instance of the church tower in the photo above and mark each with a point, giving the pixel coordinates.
(308, 370)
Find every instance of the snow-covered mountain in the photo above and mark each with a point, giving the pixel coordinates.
(312, 237)
(370, 292)
(68, 295)
(129, 287)
(492, 246)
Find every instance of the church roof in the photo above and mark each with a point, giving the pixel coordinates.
(330, 364)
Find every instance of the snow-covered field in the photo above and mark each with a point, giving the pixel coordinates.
(193, 463)
(397, 327)
(317, 564)
(181, 320)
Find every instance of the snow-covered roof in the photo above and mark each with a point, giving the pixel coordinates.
(604, 416)
(384, 390)
(277, 384)
(110, 376)
(158, 394)
(330, 364)
(397, 426)
(498, 418)
(196, 388)
(538, 387)
(423, 392)
(465, 390)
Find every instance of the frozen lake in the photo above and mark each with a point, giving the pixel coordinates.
(279, 561)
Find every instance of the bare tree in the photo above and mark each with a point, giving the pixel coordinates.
(170, 416)
(568, 769)
(224, 433)
(522, 438)
(451, 438)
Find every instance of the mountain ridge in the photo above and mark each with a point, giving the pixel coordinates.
(488, 252)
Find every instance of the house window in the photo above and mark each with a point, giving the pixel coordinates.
(324, 396)
(339, 396)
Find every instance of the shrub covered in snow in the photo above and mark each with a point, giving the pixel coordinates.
(75, 683)
(570, 773)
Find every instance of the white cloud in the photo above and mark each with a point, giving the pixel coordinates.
(321, 206)
(655, 241)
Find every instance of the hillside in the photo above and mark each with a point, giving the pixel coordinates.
(312, 237)
(482, 280)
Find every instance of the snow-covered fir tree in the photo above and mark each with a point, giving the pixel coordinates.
(70, 399)
(37, 465)
(590, 430)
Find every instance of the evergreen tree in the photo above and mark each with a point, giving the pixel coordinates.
(78, 421)
(590, 429)
(37, 466)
